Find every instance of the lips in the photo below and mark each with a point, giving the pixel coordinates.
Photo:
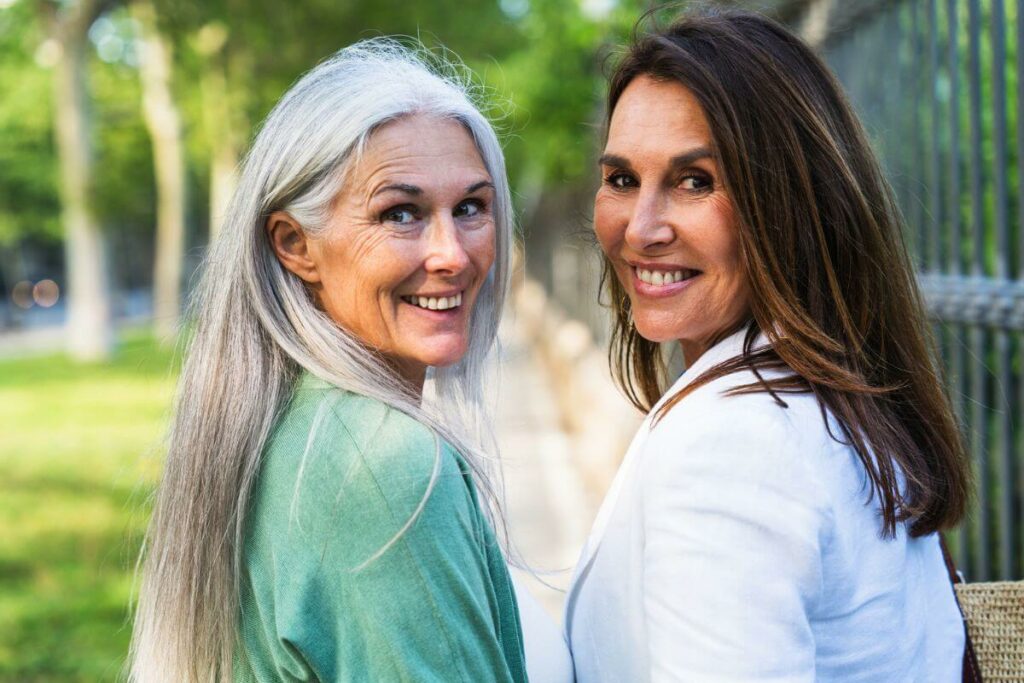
(434, 303)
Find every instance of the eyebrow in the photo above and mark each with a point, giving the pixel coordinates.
(416, 191)
(479, 186)
(687, 158)
(684, 159)
(400, 187)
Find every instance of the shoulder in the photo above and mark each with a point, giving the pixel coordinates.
(740, 440)
(731, 477)
(361, 422)
(335, 430)
(341, 465)
(712, 412)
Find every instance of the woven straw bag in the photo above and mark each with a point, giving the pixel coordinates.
(994, 612)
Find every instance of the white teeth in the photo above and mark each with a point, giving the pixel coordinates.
(443, 303)
(659, 278)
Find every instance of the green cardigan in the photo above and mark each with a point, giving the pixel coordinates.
(438, 605)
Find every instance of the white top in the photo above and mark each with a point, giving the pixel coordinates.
(547, 654)
(737, 543)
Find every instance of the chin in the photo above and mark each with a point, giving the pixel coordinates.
(442, 356)
(655, 331)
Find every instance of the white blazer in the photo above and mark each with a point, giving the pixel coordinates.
(737, 543)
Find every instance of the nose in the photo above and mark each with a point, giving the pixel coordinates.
(649, 225)
(445, 251)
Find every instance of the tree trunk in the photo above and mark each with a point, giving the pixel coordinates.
(220, 121)
(815, 23)
(164, 125)
(89, 324)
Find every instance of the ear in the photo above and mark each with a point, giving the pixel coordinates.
(291, 246)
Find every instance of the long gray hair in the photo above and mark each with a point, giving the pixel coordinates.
(256, 327)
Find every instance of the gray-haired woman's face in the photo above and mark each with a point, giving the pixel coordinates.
(408, 246)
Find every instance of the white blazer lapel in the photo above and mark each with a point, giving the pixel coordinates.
(728, 348)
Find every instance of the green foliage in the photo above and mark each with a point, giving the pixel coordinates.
(541, 60)
(122, 186)
(29, 205)
(123, 192)
(262, 58)
(74, 479)
(556, 82)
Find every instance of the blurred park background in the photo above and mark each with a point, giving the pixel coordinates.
(121, 125)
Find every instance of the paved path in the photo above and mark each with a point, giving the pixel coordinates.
(547, 509)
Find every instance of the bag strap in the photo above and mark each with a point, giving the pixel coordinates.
(971, 670)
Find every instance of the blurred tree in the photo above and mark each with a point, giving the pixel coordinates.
(553, 80)
(557, 82)
(242, 62)
(222, 123)
(163, 121)
(89, 324)
(540, 61)
(124, 183)
(29, 203)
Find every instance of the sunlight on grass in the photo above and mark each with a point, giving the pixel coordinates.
(80, 450)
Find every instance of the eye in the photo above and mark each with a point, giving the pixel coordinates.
(403, 215)
(619, 180)
(469, 208)
(695, 182)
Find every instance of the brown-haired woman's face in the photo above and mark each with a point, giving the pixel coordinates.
(664, 220)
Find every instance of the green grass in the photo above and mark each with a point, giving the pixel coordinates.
(80, 449)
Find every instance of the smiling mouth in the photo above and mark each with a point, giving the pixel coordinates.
(660, 278)
(435, 303)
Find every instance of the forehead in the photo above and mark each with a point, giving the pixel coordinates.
(427, 149)
(657, 117)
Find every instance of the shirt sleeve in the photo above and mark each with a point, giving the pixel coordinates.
(359, 597)
(734, 524)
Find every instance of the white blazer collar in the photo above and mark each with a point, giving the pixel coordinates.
(727, 348)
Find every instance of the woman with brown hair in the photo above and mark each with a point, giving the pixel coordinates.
(776, 516)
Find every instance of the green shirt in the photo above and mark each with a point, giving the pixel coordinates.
(341, 475)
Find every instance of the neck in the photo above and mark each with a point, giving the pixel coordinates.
(692, 350)
(414, 374)
(695, 348)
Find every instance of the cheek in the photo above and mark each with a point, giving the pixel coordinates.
(610, 220)
(481, 248)
(720, 235)
(356, 281)
(732, 254)
(728, 255)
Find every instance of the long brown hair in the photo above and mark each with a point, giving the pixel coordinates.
(832, 287)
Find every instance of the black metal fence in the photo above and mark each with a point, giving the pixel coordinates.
(940, 87)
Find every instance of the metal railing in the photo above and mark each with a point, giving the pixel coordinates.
(940, 86)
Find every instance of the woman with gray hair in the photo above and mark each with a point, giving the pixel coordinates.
(317, 518)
